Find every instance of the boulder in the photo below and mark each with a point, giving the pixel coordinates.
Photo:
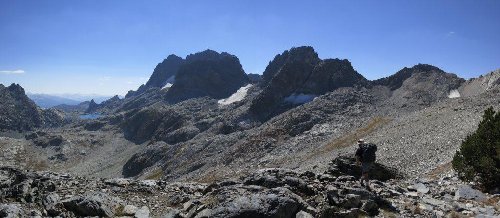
(347, 166)
(303, 214)
(10, 211)
(467, 192)
(253, 202)
(420, 187)
(92, 204)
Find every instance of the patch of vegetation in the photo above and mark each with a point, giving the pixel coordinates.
(479, 156)
(352, 137)
(37, 165)
(155, 174)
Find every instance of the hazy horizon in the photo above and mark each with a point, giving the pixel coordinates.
(108, 48)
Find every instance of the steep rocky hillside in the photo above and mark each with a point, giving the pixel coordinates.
(419, 86)
(19, 113)
(477, 86)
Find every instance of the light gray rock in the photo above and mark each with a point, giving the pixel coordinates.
(303, 214)
(122, 182)
(10, 210)
(466, 192)
(420, 187)
(171, 213)
(129, 210)
(143, 212)
(434, 202)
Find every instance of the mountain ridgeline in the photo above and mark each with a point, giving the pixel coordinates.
(209, 138)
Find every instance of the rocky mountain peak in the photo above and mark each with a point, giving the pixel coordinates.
(207, 73)
(396, 80)
(331, 74)
(16, 88)
(426, 68)
(419, 86)
(298, 75)
(208, 55)
(164, 71)
(305, 54)
(19, 113)
(92, 107)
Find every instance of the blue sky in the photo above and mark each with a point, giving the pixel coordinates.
(109, 47)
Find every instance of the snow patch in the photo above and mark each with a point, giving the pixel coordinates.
(237, 96)
(168, 85)
(170, 81)
(300, 98)
(454, 94)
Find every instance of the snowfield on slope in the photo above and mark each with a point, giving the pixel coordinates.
(237, 96)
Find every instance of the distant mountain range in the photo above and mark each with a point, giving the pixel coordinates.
(48, 101)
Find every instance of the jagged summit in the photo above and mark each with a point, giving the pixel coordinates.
(307, 112)
(208, 55)
(297, 76)
(302, 53)
(208, 73)
(164, 71)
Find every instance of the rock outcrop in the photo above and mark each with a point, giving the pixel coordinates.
(419, 86)
(297, 76)
(92, 107)
(165, 72)
(477, 86)
(270, 192)
(19, 113)
(207, 73)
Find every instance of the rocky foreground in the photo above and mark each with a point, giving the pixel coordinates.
(272, 192)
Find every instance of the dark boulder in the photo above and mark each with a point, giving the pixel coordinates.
(347, 166)
(92, 204)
